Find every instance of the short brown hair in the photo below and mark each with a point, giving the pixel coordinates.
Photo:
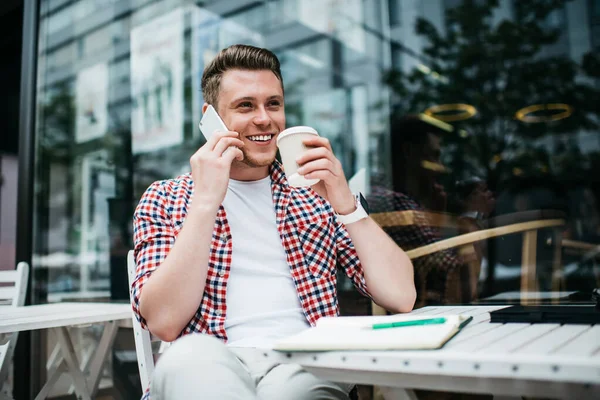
(238, 56)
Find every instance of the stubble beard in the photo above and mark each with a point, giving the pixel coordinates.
(251, 162)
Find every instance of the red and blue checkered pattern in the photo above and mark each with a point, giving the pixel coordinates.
(315, 242)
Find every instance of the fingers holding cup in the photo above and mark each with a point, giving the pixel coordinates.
(318, 168)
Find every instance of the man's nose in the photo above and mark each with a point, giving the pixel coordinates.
(262, 116)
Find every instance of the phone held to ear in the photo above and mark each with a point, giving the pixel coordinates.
(211, 122)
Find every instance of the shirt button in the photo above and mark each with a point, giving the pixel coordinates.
(221, 273)
(218, 313)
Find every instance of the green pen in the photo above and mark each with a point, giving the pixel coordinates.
(418, 322)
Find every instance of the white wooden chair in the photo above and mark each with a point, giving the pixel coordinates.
(143, 340)
(12, 295)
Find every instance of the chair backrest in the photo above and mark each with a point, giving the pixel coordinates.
(528, 223)
(483, 234)
(14, 293)
(11, 295)
(143, 342)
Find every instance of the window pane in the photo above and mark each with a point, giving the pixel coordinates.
(467, 116)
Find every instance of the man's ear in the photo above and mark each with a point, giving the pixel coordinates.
(204, 107)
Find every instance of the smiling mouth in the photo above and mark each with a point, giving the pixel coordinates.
(260, 138)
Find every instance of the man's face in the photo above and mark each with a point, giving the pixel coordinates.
(251, 103)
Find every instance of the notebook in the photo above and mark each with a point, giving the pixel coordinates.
(357, 333)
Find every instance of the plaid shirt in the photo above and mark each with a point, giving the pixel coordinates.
(441, 277)
(314, 240)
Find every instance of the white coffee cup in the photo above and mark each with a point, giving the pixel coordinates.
(290, 148)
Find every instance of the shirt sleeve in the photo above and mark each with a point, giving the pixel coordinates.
(348, 258)
(153, 236)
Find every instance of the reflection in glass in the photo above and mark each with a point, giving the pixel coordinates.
(119, 105)
(496, 64)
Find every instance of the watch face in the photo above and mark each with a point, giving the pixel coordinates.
(363, 203)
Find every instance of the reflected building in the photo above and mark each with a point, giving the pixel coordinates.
(119, 100)
(118, 106)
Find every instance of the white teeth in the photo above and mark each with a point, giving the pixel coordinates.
(260, 138)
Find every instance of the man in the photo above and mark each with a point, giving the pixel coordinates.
(232, 254)
(443, 277)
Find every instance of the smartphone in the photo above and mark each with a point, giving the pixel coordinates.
(211, 122)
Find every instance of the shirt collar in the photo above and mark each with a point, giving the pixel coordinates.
(277, 175)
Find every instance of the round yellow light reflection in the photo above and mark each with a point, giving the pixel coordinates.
(465, 111)
(565, 111)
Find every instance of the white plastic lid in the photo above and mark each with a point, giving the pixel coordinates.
(296, 129)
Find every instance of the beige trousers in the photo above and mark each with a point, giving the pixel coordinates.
(202, 367)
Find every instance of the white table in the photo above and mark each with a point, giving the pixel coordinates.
(541, 360)
(57, 317)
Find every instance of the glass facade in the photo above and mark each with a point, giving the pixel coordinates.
(454, 117)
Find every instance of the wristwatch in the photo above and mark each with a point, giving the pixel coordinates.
(361, 212)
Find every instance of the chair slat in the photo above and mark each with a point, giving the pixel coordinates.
(11, 296)
(9, 276)
(8, 293)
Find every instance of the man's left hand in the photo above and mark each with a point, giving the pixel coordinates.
(319, 162)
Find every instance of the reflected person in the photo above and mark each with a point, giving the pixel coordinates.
(230, 258)
(443, 277)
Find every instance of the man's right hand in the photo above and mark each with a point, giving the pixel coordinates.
(211, 165)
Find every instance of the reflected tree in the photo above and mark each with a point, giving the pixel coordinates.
(57, 122)
(500, 67)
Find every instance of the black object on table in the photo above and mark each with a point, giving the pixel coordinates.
(588, 314)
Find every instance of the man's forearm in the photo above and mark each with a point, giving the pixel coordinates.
(174, 291)
(388, 270)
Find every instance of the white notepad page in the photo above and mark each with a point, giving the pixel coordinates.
(356, 333)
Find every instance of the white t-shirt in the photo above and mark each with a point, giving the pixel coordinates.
(262, 301)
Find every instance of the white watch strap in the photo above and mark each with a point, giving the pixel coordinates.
(356, 215)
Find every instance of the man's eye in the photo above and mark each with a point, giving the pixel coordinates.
(275, 103)
(245, 104)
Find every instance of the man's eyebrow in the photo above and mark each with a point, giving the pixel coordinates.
(245, 98)
(250, 98)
